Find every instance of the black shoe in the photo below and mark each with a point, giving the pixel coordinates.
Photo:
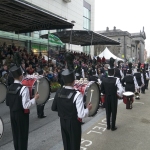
(108, 128)
(113, 129)
(42, 116)
(82, 123)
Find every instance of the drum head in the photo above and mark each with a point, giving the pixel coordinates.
(95, 97)
(44, 90)
(3, 90)
(128, 93)
(1, 128)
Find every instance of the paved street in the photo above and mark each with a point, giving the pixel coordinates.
(132, 134)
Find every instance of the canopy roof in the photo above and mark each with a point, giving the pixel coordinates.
(107, 54)
(21, 16)
(83, 38)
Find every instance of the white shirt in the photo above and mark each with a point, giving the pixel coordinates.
(26, 102)
(122, 75)
(119, 86)
(147, 77)
(83, 75)
(82, 113)
(142, 79)
(135, 83)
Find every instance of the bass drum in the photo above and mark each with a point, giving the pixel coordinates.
(1, 127)
(85, 89)
(43, 90)
(3, 90)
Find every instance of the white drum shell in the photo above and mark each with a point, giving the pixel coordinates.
(128, 94)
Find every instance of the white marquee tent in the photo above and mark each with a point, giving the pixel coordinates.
(107, 54)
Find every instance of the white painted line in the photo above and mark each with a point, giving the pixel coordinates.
(139, 102)
(51, 99)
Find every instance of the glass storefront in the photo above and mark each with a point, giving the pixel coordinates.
(87, 24)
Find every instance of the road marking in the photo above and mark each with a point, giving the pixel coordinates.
(51, 99)
(139, 102)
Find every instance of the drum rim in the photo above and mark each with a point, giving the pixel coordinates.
(3, 127)
(35, 79)
(85, 94)
(98, 106)
(6, 91)
(49, 92)
(128, 95)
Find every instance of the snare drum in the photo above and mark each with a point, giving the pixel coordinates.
(85, 89)
(3, 90)
(128, 99)
(43, 90)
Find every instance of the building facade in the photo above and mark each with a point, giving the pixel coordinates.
(131, 48)
(79, 12)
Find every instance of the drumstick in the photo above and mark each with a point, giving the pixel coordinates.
(38, 81)
(91, 95)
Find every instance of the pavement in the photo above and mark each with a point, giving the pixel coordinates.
(133, 131)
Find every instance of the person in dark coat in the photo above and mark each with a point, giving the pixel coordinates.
(109, 87)
(68, 102)
(18, 100)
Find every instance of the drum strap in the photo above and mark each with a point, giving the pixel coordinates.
(15, 92)
(65, 96)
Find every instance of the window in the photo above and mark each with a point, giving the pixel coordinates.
(86, 49)
(87, 17)
(86, 22)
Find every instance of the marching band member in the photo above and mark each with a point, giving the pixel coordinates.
(139, 77)
(18, 100)
(94, 77)
(131, 82)
(69, 104)
(118, 72)
(147, 77)
(144, 77)
(109, 87)
(78, 71)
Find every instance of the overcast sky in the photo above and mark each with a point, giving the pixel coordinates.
(126, 15)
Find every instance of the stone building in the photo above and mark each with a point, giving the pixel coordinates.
(131, 48)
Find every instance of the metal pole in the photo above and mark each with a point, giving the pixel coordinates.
(70, 40)
(48, 48)
(91, 42)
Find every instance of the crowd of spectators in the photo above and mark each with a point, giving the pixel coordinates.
(31, 63)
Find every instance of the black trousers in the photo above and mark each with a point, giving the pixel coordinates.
(111, 111)
(71, 133)
(143, 89)
(40, 110)
(146, 84)
(20, 129)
